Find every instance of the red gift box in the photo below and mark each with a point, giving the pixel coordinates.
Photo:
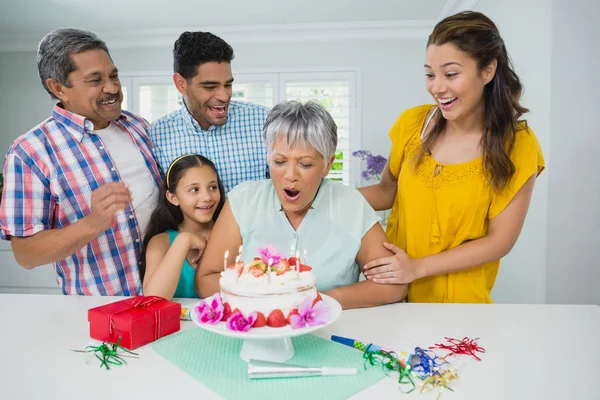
(137, 320)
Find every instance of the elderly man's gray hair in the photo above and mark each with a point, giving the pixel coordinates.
(307, 124)
(55, 50)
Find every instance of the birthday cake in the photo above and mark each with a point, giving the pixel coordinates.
(271, 290)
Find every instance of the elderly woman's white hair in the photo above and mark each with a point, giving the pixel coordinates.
(307, 125)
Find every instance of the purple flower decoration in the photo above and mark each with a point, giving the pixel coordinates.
(310, 315)
(375, 164)
(210, 312)
(237, 322)
(268, 252)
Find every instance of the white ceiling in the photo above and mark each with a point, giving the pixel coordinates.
(25, 22)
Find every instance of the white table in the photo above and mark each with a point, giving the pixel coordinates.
(532, 351)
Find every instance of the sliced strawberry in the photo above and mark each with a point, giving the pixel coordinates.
(305, 268)
(226, 311)
(256, 271)
(231, 266)
(292, 264)
(237, 310)
(240, 270)
(294, 311)
(260, 320)
(317, 299)
(276, 319)
(282, 267)
(257, 258)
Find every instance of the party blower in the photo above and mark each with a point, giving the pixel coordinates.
(258, 369)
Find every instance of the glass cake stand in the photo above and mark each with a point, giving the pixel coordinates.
(266, 343)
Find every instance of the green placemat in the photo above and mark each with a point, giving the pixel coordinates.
(215, 361)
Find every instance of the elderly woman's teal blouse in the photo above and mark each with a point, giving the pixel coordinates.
(331, 231)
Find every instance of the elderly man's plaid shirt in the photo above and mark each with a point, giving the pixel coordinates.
(49, 175)
(237, 147)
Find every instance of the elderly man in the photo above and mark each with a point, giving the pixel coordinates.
(79, 188)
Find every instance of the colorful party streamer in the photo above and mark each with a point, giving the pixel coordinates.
(390, 362)
(465, 346)
(109, 354)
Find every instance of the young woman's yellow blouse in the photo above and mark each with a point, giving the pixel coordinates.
(433, 213)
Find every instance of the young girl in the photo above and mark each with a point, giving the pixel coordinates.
(461, 171)
(191, 198)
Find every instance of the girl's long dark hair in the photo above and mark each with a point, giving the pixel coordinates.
(167, 216)
(476, 35)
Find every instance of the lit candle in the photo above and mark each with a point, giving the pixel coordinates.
(269, 269)
(297, 264)
(237, 268)
(225, 260)
(240, 251)
(292, 248)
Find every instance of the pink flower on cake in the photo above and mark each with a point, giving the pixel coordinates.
(210, 312)
(268, 252)
(311, 315)
(237, 322)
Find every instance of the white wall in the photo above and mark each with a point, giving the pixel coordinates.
(24, 103)
(574, 189)
(525, 27)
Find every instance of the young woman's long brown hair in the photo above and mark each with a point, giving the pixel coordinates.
(476, 35)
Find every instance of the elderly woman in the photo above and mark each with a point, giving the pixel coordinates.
(298, 208)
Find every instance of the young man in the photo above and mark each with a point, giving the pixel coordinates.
(227, 132)
(80, 187)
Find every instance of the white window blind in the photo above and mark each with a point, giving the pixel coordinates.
(155, 96)
(335, 95)
(256, 88)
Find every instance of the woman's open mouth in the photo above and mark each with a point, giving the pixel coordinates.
(291, 194)
(446, 104)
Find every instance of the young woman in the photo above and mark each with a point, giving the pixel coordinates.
(461, 172)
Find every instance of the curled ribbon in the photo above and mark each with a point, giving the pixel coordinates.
(109, 354)
(465, 346)
(441, 380)
(428, 363)
(389, 361)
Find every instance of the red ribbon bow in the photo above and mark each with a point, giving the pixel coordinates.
(139, 302)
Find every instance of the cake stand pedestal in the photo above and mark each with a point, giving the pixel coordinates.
(276, 350)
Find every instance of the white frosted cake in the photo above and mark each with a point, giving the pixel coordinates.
(274, 293)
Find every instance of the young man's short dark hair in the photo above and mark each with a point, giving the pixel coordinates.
(193, 49)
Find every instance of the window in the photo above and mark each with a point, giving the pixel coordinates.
(155, 96)
(335, 95)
